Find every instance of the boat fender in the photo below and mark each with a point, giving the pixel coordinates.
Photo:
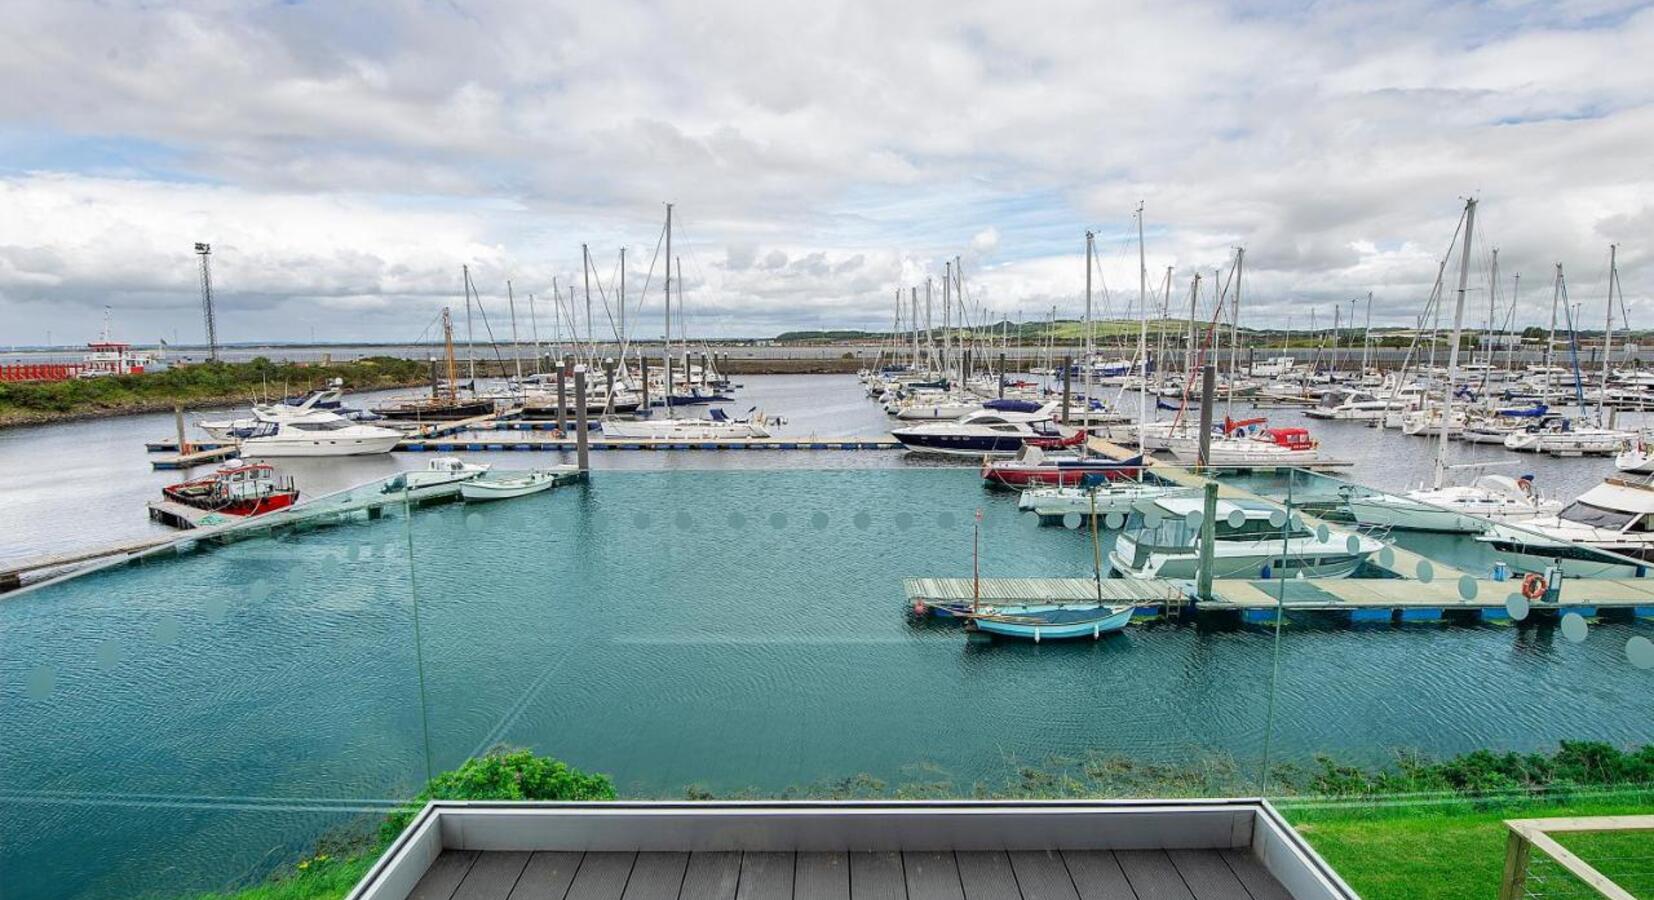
(919, 608)
(1533, 586)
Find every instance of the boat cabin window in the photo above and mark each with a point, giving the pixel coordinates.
(318, 426)
(1596, 516)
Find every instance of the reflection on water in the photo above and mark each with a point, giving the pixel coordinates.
(193, 721)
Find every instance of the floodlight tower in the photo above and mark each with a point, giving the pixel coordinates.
(205, 252)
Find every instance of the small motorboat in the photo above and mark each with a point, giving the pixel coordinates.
(1050, 622)
(236, 489)
(440, 475)
(516, 485)
(1250, 540)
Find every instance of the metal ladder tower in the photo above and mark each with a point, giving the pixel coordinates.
(205, 252)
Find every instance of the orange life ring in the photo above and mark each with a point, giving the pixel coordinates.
(1533, 586)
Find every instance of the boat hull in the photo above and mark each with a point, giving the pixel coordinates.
(478, 491)
(1028, 625)
(276, 447)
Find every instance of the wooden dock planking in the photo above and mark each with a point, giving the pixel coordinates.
(195, 458)
(1016, 591)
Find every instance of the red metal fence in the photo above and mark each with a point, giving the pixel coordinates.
(39, 371)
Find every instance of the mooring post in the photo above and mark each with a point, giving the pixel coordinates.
(643, 368)
(1067, 364)
(178, 420)
(666, 392)
(1208, 393)
(1002, 376)
(608, 384)
(965, 368)
(706, 370)
(562, 398)
(1208, 528)
(581, 457)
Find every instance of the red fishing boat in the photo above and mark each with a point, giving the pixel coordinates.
(1033, 466)
(236, 489)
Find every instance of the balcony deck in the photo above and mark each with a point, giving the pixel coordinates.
(863, 875)
(1220, 849)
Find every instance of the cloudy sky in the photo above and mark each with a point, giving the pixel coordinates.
(345, 160)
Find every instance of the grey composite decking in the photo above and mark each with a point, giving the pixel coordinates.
(910, 875)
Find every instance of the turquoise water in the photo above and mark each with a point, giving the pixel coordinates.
(193, 722)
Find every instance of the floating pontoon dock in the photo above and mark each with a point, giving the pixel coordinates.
(203, 524)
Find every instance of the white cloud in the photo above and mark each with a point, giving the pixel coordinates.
(345, 164)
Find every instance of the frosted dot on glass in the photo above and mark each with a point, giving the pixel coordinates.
(862, 520)
(1193, 519)
(1426, 572)
(640, 521)
(1386, 556)
(736, 520)
(946, 520)
(1114, 521)
(1071, 520)
(1467, 587)
(259, 590)
(1574, 627)
(1277, 518)
(1639, 651)
(1517, 606)
(1153, 518)
(166, 629)
(1297, 521)
(215, 608)
(683, 521)
(1352, 544)
(778, 520)
(818, 520)
(904, 520)
(1323, 533)
(474, 521)
(1236, 518)
(108, 653)
(42, 682)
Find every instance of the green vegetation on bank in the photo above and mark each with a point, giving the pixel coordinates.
(199, 384)
(335, 867)
(1449, 849)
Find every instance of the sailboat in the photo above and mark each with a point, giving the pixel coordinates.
(445, 402)
(1463, 508)
(1039, 622)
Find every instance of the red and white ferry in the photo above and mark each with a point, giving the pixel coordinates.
(236, 489)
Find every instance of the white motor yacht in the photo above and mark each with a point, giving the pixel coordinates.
(1615, 517)
(1463, 508)
(1250, 540)
(319, 434)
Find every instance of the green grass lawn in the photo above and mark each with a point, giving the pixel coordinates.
(317, 878)
(1455, 850)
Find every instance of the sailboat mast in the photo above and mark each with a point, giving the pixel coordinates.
(667, 334)
(1142, 337)
(1234, 324)
(1550, 342)
(1607, 337)
(622, 338)
(448, 354)
(470, 336)
(913, 323)
(1085, 373)
(534, 329)
(1492, 299)
(1367, 336)
(1453, 350)
(516, 349)
(586, 276)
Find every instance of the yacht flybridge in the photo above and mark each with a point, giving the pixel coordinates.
(1616, 516)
